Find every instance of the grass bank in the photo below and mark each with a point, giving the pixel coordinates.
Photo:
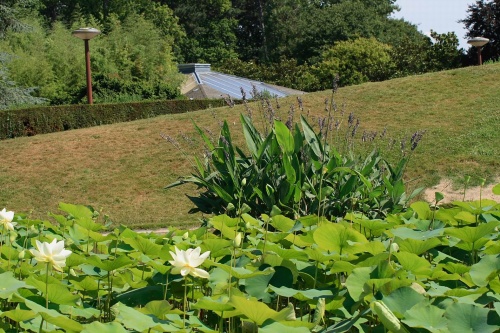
(121, 169)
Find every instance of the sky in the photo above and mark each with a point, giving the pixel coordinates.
(438, 15)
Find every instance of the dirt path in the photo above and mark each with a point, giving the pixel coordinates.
(452, 194)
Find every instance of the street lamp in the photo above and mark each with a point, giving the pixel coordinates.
(478, 42)
(87, 34)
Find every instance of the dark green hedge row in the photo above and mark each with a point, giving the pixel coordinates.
(48, 119)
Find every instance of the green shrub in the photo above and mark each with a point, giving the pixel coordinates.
(357, 61)
(48, 119)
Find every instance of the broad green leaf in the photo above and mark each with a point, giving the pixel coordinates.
(73, 311)
(63, 322)
(9, 285)
(336, 237)
(77, 211)
(59, 294)
(256, 286)
(110, 265)
(217, 247)
(301, 295)
(157, 308)
(413, 263)
(52, 316)
(422, 209)
(19, 315)
(316, 255)
(75, 260)
(405, 233)
(132, 318)
(496, 189)
(275, 327)
(373, 247)
(215, 304)
(485, 270)
(425, 315)
(472, 234)
(99, 237)
(96, 326)
(282, 223)
(416, 246)
(254, 310)
(469, 318)
(87, 283)
(355, 282)
(402, 299)
(225, 224)
(144, 245)
(342, 266)
(240, 272)
(466, 217)
(284, 137)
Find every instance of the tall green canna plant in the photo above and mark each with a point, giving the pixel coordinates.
(294, 170)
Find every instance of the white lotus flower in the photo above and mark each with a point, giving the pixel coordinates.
(53, 253)
(186, 262)
(6, 219)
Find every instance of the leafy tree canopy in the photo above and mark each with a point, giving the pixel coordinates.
(483, 20)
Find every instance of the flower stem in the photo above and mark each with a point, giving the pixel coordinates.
(47, 286)
(185, 303)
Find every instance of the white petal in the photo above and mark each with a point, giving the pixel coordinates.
(176, 270)
(200, 273)
(57, 247)
(46, 249)
(186, 270)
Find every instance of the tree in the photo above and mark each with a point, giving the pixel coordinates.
(209, 30)
(483, 20)
(12, 95)
(355, 61)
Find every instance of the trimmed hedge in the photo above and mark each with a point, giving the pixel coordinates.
(49, 119)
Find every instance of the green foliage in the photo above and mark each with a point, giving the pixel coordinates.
(356, 61)
(131, 59)
(298, 275)
(11, 95)
(33, 121)
(483, 17)
(296, 171)
(210, 30)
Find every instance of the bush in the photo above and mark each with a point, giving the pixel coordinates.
(358, 61)
(33, 121)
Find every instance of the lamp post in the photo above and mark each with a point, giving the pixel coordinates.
(478, 42)
(87, 34)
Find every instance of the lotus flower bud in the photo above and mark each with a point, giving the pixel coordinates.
(390, 321)
(186, 235)
(418, 288)
(244, 182)
(394, 247)
(72, 272)
(21, 254)
(237, 240)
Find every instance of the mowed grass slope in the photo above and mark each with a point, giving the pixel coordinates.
(122, 169)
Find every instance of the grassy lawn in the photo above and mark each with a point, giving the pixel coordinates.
(121, 169)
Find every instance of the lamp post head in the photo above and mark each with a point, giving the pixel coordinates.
(86, 33)
(478, 41)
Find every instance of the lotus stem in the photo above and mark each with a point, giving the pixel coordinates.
(47, 286)
(185, 303)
